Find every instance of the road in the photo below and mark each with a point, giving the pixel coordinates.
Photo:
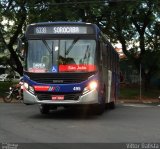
(127, 123)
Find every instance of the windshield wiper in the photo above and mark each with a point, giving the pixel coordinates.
(71, 46)
(50, 50)
(47, 46)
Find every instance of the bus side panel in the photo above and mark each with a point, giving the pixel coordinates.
(109, 87)
(104, 58)
(113, 91)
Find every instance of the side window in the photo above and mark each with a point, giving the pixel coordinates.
(111, 58)
(101, 52)
(108, 58)
(115, 63)
(98, 54)
(104, 55)
(114, 58)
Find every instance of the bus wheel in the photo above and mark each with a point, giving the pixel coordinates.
(111, 105)
(44, 109)
(99, 109)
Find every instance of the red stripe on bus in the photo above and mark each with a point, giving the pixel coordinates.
(41, 88)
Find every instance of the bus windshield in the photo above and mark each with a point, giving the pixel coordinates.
(73, 55)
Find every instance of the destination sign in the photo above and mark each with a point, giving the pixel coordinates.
(60, 30)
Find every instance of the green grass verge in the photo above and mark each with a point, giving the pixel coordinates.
(134, 93)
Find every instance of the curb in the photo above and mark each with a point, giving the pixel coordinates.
(151, 101)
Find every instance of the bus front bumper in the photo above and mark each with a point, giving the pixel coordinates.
(88, 98)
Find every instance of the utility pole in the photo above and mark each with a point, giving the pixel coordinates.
(140, 82)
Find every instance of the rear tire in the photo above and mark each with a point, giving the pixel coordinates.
(100, 108)
(44, 109)
(111, 105)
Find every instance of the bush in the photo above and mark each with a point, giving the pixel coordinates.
(4, 86)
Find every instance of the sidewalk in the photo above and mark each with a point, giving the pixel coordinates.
(145, 101)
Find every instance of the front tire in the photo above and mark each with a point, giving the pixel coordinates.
(111, 105)
(44, 109)
(8, 99)
(99, 109)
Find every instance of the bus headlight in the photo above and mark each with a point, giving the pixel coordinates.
(28, 87)
(31, 89)
(91, 86)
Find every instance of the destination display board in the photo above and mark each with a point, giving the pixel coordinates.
(59, 29)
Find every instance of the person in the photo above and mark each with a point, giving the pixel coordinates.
(19, 87)
(65, 61)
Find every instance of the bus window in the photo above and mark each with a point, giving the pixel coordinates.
(104, 54)
(108, 57)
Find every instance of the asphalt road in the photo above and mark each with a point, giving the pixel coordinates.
(127, 123)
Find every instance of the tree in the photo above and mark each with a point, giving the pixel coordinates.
(13, 16)
(17, 14)
(134, 25)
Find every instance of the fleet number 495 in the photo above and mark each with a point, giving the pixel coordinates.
(77, 88)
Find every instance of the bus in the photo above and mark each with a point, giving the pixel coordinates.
(69, 64)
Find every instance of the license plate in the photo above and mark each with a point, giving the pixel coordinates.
(58, 97)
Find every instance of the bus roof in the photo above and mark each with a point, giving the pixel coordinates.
(61, 23)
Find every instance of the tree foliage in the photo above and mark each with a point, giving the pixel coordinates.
(135, 26)
(132, 23)
(13, 16)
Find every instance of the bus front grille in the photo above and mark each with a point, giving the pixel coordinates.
(58, 80)
(45, 96)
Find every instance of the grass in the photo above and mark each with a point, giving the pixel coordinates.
(134, 93)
